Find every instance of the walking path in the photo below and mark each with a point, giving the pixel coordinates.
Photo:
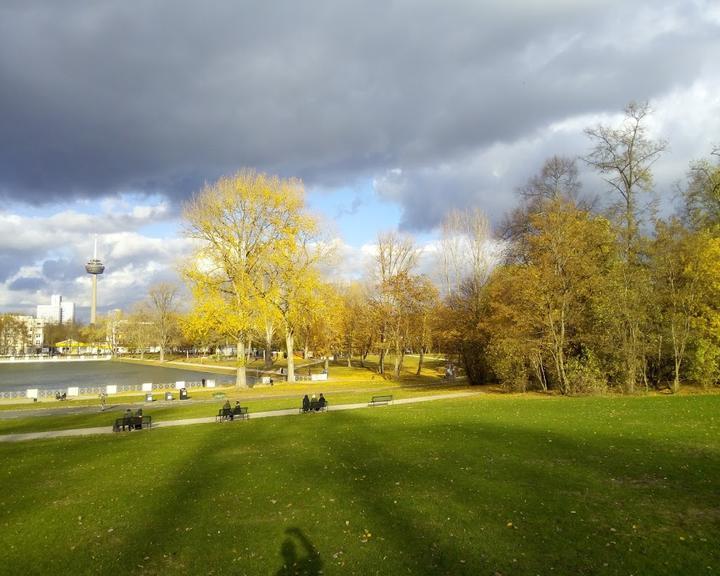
(209, 419)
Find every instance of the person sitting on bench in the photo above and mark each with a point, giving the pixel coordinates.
(321, 402)
(227, 411)
(237, 411)
(306, 403)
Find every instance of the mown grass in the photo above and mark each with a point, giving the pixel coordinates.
(203, 405)
(483, 485)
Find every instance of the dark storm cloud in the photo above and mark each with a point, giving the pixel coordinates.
(61, 269)
(29, 283)
(102, 97)
(10, 262)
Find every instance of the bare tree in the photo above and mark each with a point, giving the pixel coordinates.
(163, 314)
(466, 249)
(557, 179)
(624, 156)
(396, 255)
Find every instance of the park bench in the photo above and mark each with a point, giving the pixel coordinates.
(381, 400)
(239, 412)
(315, 407)
(132, 423)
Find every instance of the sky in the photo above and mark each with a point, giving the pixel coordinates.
(392, 113)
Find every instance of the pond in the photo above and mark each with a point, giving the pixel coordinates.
(61, 375)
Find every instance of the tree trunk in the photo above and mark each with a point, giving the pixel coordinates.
(676, 359)
(268, 353)
(327, 364)
(420, 360)
(241, 377)
(162, 354)
(290, 346)
(350, 351)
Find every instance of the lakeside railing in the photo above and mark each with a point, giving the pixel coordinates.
(109, 389)
(57, 358)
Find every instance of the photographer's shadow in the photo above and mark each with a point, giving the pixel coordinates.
(306, 562)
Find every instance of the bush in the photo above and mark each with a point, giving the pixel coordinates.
(585, 375)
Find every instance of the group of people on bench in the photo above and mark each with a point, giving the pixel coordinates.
(313, 404)
(228, 412)
(133, 421)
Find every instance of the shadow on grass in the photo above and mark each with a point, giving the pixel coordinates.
(445, 490)
(490, 498)
(307, 563)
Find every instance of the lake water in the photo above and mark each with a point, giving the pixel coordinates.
(61, 375)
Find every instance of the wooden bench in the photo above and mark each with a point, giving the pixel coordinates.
(381, 400)
(239, 413)
(132, 423)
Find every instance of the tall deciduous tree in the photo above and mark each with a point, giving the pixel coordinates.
(138, 330)
(702, 195)
(467, 256)
(162, 305)
(396, 256)
(539, 312)
(295, 281)
(245, 226)
(624, 156)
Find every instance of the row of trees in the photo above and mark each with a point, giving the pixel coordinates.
(585, 299)
(576, 293)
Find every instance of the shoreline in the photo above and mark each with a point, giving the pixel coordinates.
(50, 359)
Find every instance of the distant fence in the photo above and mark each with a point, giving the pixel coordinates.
(97, 390)
(31, 358)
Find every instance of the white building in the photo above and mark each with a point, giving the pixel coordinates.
(23, 336)
(57, 312)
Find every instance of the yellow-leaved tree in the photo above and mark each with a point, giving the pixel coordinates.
(246, 227)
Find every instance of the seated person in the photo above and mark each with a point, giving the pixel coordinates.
(305, 403)
(236, 409)
(139, 413)
(313, 403)
(227, 410)
(321, 402)
(127, 419)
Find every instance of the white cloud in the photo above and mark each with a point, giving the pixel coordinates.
(54, 249)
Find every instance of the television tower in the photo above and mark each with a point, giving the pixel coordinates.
(94, 267)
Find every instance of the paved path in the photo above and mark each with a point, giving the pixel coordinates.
(209, 419)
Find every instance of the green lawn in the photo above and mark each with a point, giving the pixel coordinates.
(277, 398)
(486, 485)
